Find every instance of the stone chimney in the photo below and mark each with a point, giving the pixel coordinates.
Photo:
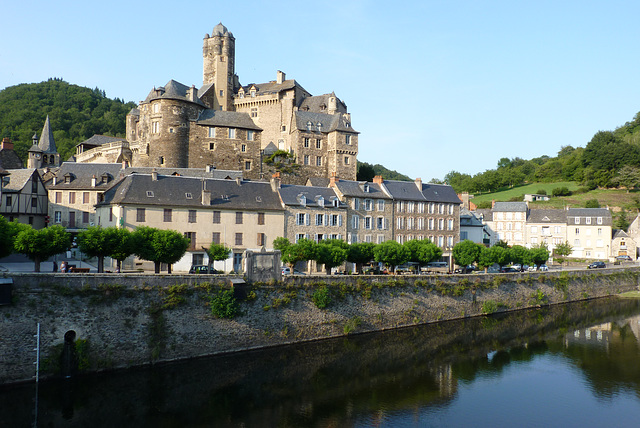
(333, 104)
(93, 181)
(493, 203)
(464, 197)
(419, 183)
(275, 182)
(239, 181)
(154, 175)
(206, 194)
(378, 179)
(192, 94)
(281, 77)
(333, 179)
(210, 168)
(7, 144)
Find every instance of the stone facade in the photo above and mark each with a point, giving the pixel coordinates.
(171, 127)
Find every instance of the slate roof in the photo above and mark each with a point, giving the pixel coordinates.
(468, 219)
(588, 212)
(221, 30)
(356, 189)
(272, 87)
(230, 119)
(17, 179)
(82, 174)
(290, 195)
(173, 191)
(619, 233)
(484, 213)
(9, 159)
(318, 181)
(547, 216)
(440, 193)
(404, 190)
(172, 90)
(315, 103)
(186, 172)
(47, 143)
(510, 207)
(329, 122)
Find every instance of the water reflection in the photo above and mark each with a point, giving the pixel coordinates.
(536, 367)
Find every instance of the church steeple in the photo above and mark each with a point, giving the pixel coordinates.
(50, 155)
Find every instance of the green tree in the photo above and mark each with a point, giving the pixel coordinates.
(628, 177)
(218, 252)
(365, 172)
(159, 246)
(621, 222)
(96, 242)
(562, 251)
(539, 254)
(8, 233)
(466, 252)
(303, 250)
(521, 255)
(41, 244)
(499, 255)
(391, 254)
(485, 258)
(123, 245)
(592, 203)
(360, 253)
(331, 253)
(422, 251)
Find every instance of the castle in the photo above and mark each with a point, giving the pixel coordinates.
(238, 127)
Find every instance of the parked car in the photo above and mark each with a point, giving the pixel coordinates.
(202, 269)
(288, 271)
(466, 269)
(543, 268)
(508, 269)
(623, 258)
(597, 265)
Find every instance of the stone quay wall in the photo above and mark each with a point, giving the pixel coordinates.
(127, 320)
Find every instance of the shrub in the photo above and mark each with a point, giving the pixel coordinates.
(541, 192)
(322, 297)
(224, 304)
(592, 203)
(561, 191)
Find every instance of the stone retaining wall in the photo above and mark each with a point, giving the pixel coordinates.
(126, 320)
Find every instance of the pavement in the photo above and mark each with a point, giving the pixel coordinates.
(21, 263)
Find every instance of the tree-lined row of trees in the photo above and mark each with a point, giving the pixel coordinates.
(334, 252)
(468, 252)
(156, 245)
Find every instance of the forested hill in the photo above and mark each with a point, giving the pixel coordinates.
(76, 113)
(610, 159)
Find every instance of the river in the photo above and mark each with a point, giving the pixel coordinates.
(569, 365)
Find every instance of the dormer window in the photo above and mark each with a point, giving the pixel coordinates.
(321, 201)
(336, 202)
(253, 92)
(319, 125)
(309, 126)
(149, 193)
(303, 200)
(366, 188)
(188, 195)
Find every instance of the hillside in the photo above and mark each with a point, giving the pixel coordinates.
(366, 172)
(610, 159)
(76, 113)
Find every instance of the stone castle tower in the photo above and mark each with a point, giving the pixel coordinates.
(233, 127)
(45, 153)
(218, 68)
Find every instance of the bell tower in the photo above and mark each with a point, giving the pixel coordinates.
(218, 53)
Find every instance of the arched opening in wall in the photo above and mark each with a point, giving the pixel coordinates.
(69, 357)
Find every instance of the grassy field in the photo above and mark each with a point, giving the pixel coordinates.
(615, 199)
(505, 195)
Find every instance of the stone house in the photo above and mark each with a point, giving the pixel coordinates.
(242, 215)
(546, 226)
(634, 233)
(509, 220)
(589, 231)
(623, 244)
(24, 197)
(424, 211)
(75, 189)
(312, 212)
(471, 228)
(369, 210)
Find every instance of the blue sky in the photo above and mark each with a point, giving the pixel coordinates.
(433, 86)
